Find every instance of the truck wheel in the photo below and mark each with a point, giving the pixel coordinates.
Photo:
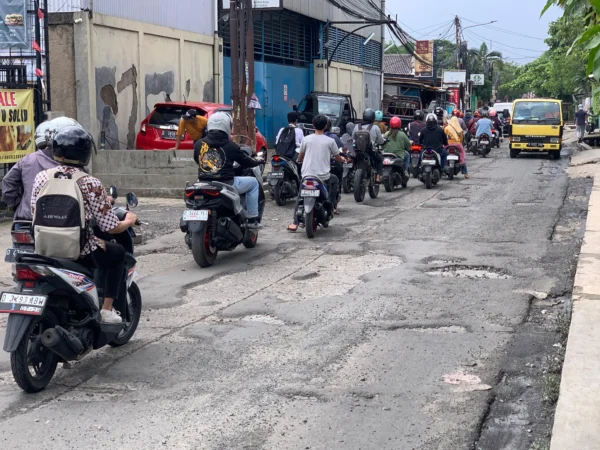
(555, 154)
(514, 153)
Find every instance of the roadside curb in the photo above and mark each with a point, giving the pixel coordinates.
(578, 409)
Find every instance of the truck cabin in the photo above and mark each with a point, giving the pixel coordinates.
(337, 107)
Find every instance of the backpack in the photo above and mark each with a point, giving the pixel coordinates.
(59, 221)
(286, 146)
(362, 139)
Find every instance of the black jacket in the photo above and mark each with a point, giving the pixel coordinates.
(215, 155)
(433, 138)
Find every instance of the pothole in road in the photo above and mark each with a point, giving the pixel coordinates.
(527, 203)
(470, 272)
(442, 260)
(263, 318)
(454, 200)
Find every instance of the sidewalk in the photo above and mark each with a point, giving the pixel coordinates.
(576, 420)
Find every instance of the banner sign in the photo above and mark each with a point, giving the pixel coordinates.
(478, 79)
(424, 67)
(256, 4)
(16, 124)
(13, 24)
(455, 76)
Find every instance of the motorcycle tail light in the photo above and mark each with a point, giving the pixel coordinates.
(310, 184)
(21, 237)
(31, 273)
(276, 158)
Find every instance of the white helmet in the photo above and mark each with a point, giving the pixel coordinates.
(44, 133)
(220, 121)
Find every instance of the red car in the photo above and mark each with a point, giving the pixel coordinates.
(157, 131)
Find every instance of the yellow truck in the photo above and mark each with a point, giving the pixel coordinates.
(536, 126)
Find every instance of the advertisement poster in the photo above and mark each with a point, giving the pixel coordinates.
(16, 124)
(424, 67)
(13, 24)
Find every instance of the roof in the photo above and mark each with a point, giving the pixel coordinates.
(398, 64)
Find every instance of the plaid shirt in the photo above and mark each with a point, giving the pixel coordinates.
(96, 203)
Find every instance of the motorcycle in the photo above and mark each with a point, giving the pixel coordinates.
(430, 168)
(365, 177)
(393, 172)
(495, 139)
(484, 145)
(452, 165)
(54, 310)
(347, 181)
(21, 234)
(415, 159)
(314, 208)
(215, 218)
(284, 180)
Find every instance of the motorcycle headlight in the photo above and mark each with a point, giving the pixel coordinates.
(554, 140)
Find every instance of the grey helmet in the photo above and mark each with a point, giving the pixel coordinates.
(350, 128)
(220, 121)
(45, 132)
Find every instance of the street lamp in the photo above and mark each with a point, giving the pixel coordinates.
(480, 24)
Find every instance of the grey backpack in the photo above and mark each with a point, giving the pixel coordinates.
(59, 221)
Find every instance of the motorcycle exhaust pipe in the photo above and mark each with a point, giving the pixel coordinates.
(63, 343)
(229, 230)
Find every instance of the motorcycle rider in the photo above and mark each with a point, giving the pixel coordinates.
(298, 136)
(434, 138)
(336, 168)
(215, 155)
(398, 143)
(376, 139)
(468, 116)
(441, 116)
(315, 156)
(379, 122)
(473, 123)
(17, 184)
(455, 138)
(72, 149)
(347, 137)
(484, 126)
(456, 113)
(497, 123)
(192, 124)
(415, 127)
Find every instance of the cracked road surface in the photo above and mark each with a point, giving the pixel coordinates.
(391, 330)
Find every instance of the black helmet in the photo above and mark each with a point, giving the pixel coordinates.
(439, 111)
(369, 115)
(419, 115)
(72, 146)
(329, 125)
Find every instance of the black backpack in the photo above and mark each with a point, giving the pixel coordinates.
(362, 139)
(286, 146)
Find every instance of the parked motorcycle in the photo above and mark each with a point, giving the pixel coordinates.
(393, 172)
(415, 159)
(365, 177)
(216, 217)
(55, 309)
(430, 168)
(452, 163)
(314, 208)
(284, 180)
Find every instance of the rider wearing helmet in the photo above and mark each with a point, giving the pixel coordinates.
(18, 182)
(468, 116)
(440, 114)
(415, 127)
(376, 139)
(336, 167)
(72, 148)
(215, 155)
(484, 125)
(398, 142)
(472, 125)
(496, 121)
(379, 121)
(434, 138)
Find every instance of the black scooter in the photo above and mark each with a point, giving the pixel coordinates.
(393, 172)
(284, 180)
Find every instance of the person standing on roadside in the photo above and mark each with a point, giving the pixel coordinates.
(580, 121)
(192, 124)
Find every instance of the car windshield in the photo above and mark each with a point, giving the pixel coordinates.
(537, 113)
(329, 107)
(169, 115)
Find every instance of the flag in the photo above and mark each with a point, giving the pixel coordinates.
(39, 73)
(36, 47)
(40, 14)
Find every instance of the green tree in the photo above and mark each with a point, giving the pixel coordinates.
(481, 60)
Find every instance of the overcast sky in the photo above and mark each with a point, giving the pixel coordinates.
(518, 21)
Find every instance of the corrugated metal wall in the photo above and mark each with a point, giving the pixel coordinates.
(196, 16)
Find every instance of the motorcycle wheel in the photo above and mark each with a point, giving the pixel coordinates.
(359, 188)
(347, 184)
(388, 184)
(404, 182)
(280, 199)
(451, 174)
(373, 190)
(203, 253)
(134, 312)
(250, 238)
(311, 224)
(428, 182)
(31, 356)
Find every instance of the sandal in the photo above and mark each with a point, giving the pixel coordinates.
(467, 176)
(292, 228)
(336, 212)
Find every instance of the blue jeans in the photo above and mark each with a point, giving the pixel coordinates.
(443, 156)
(248, 186)
(406, 161)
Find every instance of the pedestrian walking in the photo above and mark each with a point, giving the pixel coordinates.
(580, 122)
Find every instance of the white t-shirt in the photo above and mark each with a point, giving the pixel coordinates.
(299, 135)
(318, 150)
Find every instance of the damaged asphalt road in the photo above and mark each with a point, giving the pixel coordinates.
(411, 323)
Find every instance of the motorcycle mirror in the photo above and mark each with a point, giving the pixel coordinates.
(112, 190)
(132, 200)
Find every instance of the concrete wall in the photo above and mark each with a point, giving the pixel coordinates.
(147, 173)
(343, 79)
(62, 64)
(372, 82)
(122, 68)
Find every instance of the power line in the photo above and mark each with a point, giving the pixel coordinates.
(503, 30)
(500, 44)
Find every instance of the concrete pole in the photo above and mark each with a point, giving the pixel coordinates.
(383, 17)
(243, 81)
(250, 59)
(235, 63)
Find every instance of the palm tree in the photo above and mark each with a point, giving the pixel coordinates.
(482, 60)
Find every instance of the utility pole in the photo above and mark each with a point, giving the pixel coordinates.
(383, 25)
(243, 81)
(457, 26)
(235, 63)
(250, 58)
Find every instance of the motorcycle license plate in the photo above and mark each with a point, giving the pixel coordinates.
(310, 193)
(347, 165)
(12, 253)
(275, 175)
(428, 162)
(484, 142)
(452, 158)
(22, 304)
(191, 215)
